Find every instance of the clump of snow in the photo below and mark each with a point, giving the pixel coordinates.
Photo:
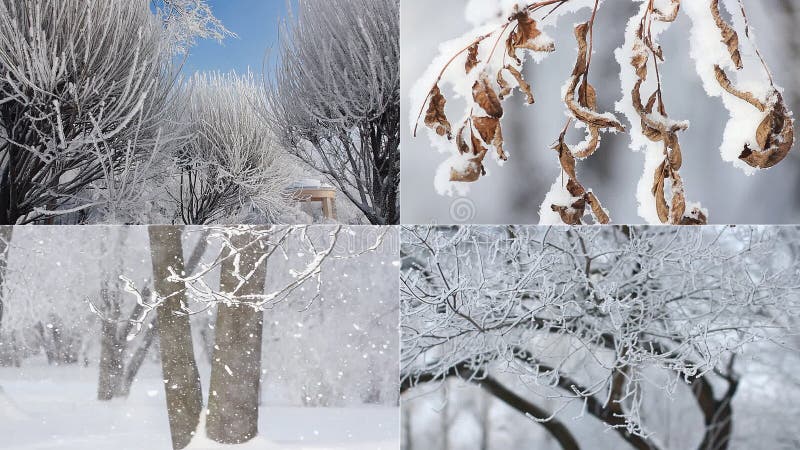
(558, 195)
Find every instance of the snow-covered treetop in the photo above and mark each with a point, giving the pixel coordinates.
(85, 89)
(189, 20)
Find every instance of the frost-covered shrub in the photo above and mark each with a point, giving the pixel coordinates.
(334, 99)
(485, 67)
(84, 99)
(231, 163)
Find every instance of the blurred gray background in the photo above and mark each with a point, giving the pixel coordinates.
(514, 193)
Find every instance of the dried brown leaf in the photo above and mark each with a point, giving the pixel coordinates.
(487, 127)
(729, 36)
(569, 214)
(436, 118)
(472, 57)
(587, 96)
(694, 217)
(659, 179)
(678, 199)
(668, 15)
(674, 155)
(566, 159)
(491, 133)
(485, 96)
(581, 64)
(461, 143)
(522, 84)
(775, 136)
(525, 36)
(600, 214)
(725, 83)
(505, 86)
(639, 59)
(473, 171)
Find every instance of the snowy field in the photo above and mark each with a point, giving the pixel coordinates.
(44, 407)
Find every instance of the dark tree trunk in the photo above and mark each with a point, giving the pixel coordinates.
(179, 367)
(5, 243)
(47, 346)
(112, 346)
(717, 413)
(123, 388)
(111, 360)
(236, 367)
(121, 374)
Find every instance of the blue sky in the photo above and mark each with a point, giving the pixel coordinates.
(256, 24)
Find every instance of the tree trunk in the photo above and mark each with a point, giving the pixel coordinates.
(110, 362)
(407, 439)
(236, 367)
(123, 383)
(178, 365)
(445, 423)
(124, 386)
(5, 243)
(112, 347)
(486, 424)
(717, 413)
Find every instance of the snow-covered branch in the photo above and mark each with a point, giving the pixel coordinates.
(618, 311)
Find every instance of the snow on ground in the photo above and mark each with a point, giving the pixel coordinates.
(43, 407)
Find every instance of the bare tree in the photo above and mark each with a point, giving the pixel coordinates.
(334, 99)
(231, 163)
(85, 96)
(605, 318)
(241, 299)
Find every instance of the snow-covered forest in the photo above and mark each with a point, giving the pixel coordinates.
(135, 337)
(603, 338)
(649, 114)
(99, 123)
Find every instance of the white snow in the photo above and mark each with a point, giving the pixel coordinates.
(56, 408)
(558, 195)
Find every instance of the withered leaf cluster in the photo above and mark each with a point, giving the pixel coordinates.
(657, 127)
(775, 134)
(482, 131)
(581, 102)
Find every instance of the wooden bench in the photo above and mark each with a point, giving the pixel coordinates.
(324, 195)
